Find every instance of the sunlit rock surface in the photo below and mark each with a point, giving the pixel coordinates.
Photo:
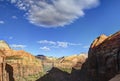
(18, 65)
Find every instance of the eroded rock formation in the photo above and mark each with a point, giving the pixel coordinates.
(17, 65)
(2, 66)
(64, 63)
(102, 64)
(104, 58)
(73, 61)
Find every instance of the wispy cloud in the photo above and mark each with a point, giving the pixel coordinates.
(62, 44)
(2, 22)
(47, 42)
(13, 1)
(58, 44)
(14, 17)
(10, 37)
(86, 47)
(54, 13)
(45, 48)
(17, 46)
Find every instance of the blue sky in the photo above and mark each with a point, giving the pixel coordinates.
(50, 31)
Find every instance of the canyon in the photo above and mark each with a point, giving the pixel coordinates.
(102, 63)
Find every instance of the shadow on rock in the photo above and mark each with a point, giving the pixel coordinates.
(9, 70)
(81, 74)
(56, 74)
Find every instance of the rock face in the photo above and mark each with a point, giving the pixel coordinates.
(64, 63)
(104, 58)
(17, 65)
(98, 40)
(102, 64)
(73, 61)
(4, 45)
(2, 66)
(24, 64)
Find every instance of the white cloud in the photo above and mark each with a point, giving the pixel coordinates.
(62, 44)
(57, 44)
(66, 44)
(17, 46)
(54, 13)
(47, 42)
(75, 44)
(2, 22)
(45, 48)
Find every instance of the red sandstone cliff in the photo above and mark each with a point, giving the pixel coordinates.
(20, 65)
(104, 58)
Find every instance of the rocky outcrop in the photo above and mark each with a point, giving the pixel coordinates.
(104, 58)
(2, 66)
(6, 70)
(98, 40)
(4, 45)
(18, 65)
(73, 61)
(24, 64)
(102, 64)
(64, 63)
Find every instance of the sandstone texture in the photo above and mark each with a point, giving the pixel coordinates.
(104, 58)
(17, 65)
(102, 64)
(66, 63)
(73, 61)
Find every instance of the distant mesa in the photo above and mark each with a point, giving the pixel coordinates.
(41, 57)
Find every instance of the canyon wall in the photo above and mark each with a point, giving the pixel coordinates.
(104, 58)
(18, 65)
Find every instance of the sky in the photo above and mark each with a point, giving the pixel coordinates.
(57, 27)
